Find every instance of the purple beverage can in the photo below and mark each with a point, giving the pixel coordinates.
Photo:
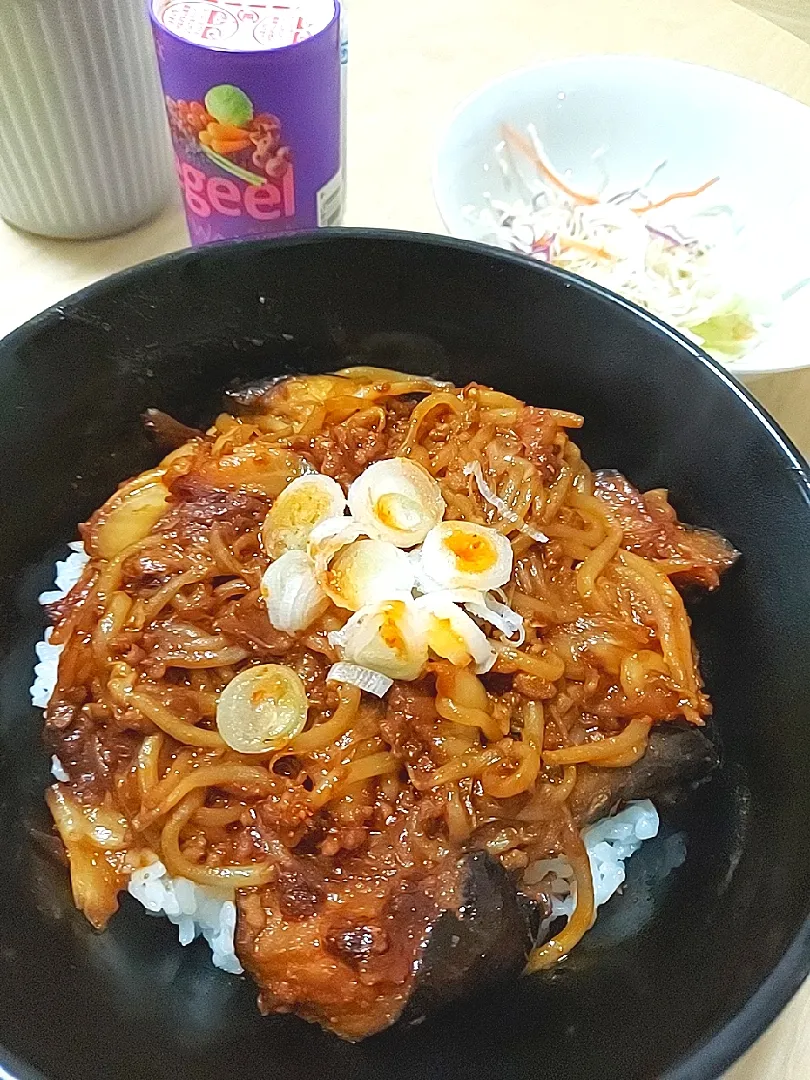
(253, 96)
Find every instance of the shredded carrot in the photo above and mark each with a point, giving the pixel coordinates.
(676, 195)
(543, 242)
(518, 141)
(588, 249)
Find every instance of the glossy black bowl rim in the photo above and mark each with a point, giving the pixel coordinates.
(718, 1051)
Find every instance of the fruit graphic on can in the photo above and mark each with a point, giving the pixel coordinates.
(253, 96)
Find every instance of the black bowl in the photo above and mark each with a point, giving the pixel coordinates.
(685, 969)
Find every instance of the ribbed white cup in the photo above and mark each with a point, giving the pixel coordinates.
(84, 146)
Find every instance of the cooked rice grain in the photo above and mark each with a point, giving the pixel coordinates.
(194, 909)
(198, 910)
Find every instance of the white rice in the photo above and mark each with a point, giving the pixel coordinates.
(194, 909)
(199, 910)
(58, 770)
(68, 573)
(609, 843)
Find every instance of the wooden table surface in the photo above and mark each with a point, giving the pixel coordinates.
(410, 65)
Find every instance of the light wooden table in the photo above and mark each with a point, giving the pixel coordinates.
(792, 15)
(411, 63)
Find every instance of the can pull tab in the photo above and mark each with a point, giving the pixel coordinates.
(244, 25)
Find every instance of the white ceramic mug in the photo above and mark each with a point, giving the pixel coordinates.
(84, 145)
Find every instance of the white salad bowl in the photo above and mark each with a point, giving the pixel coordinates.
(612, 119)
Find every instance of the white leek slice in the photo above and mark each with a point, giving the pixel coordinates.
(488, 608)
(355, 569)
(364, 678)
(291, 591)
(302, 505)
(388, 637)
(397, 500)
(262, 708)
(463, 554)
(452, 634)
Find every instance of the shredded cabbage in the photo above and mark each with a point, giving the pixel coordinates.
(673, 260)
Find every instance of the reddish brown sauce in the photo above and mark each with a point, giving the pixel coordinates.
(359, 879)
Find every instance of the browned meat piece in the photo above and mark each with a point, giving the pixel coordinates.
(346, 451)
(90, 756)
(245, 622)
(198, 505)
(168, 432)
(538, 430)
(298, 895)
(356, 959)
(679, 756)
(651, 528)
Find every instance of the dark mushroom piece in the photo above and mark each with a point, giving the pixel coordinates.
(168, 433)
(481, 943)
(679, 757)
(315, 950)
(438, 938)
(249, 395)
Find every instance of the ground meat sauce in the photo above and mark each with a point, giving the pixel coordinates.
(371, 893)
(244, 621)
(538, 432)
(344, 451)
(651, 528)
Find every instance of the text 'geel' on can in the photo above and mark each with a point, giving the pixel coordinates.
(253, 94)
